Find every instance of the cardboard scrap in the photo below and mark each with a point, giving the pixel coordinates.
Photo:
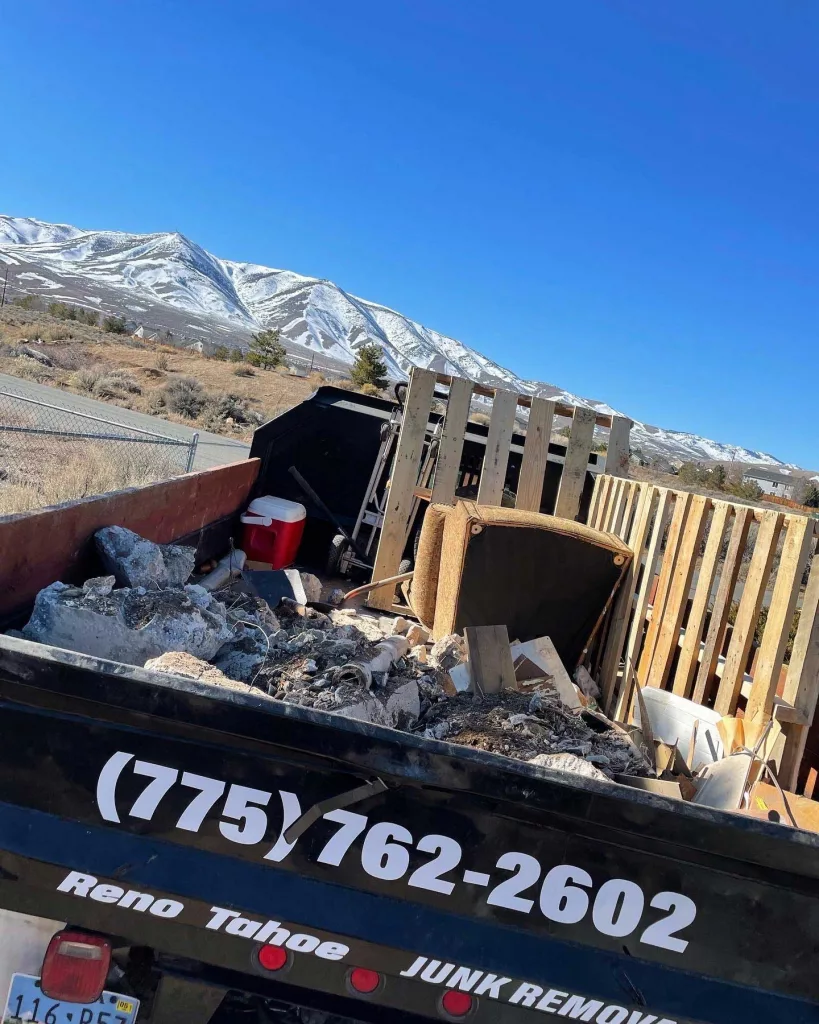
(766, 803)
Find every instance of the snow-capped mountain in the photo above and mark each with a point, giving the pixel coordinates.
(165, 281)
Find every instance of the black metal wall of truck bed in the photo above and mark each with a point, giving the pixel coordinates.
(332, 438)
(162, 811)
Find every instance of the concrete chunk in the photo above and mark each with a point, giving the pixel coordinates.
(178, 663)
(569, 763)
(129, 625)
(417, 635)
(448, 652)
(397, 705)
(137, 562)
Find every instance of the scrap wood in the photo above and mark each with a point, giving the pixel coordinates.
(669, 759)
(732, 733)
(490, 660)
(645, 726)
(662, 787)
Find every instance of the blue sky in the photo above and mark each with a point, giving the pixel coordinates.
(616, 197)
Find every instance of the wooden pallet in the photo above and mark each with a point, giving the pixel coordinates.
(448, 473)
(690, 551)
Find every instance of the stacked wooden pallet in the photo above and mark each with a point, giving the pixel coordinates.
(407, 463)
(698, 563)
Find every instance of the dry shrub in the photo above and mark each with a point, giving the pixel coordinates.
(70, 357)
(243, 370)
(116, 384)
(161, 362)
(85, 470)
(85, 378)
(316, 379)
(185, 396)
(25, 366)
(219, 409)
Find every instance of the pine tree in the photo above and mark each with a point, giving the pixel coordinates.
(369, 367)
(811, 498)
(718, 478)
(266, 350)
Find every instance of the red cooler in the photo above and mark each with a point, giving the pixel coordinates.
(272, 530)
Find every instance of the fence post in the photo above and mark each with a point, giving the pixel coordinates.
(192, 451)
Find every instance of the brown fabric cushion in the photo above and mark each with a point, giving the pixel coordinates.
(424, 588)
(536, 574)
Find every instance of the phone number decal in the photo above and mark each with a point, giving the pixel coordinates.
(566, 894)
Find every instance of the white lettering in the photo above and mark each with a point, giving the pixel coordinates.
(220, 915)
(332, 951)
(638, 1018)
(167, 908)
(548, 1003)
(432, 973)
(77, 883)
(526, 994)
(136, 900)
(106, 893)
(612, 1015)
(464, 979)
(414, 968)
(244, 926)
(274, 934)
(302, 943)
(579, 1008)
(492, 985)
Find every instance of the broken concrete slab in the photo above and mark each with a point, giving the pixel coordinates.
(417, 635)
(311, 585)
(448, 652)
(419, 653)
(569, 763)
(397, 705)
(137, 562)
(178, 663)
(242, 657)
(129, 625)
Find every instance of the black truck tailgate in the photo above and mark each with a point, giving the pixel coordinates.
(160, 811)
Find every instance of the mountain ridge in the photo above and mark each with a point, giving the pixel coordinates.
(165, 279)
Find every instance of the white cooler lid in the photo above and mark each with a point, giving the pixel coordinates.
(269, 507)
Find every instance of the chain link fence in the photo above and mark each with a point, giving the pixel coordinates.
(49, 453)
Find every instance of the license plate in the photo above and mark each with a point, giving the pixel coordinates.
(26, 1004)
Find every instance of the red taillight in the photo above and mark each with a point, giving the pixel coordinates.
(272, 958)
(363, 981)
(456, 1004)
(75, 967)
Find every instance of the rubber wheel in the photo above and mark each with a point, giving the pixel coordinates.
(338, 547)
(405, 565)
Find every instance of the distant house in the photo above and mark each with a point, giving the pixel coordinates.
(772, 481)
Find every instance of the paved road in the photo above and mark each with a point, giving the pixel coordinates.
(213, 449)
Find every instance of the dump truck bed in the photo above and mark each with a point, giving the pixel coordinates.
(202, 822)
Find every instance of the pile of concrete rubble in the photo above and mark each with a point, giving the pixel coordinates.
(385, 670)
